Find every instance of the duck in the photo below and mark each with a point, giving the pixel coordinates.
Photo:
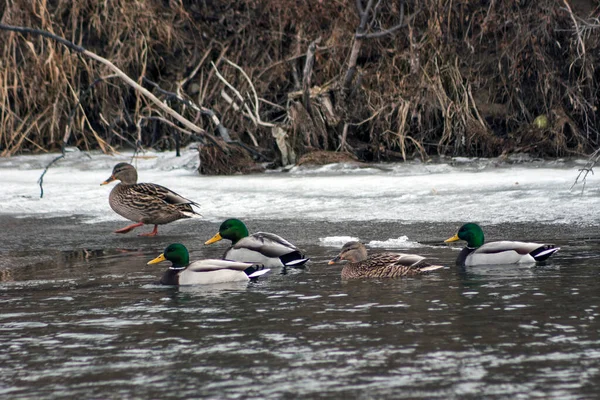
(203, 272)
(263, 248)
(502, 252)
(145, 203)
(382, 265)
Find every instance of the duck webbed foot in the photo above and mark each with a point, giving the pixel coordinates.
(129, 228)
(153, 233)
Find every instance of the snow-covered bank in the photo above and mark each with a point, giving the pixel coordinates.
(463, 190)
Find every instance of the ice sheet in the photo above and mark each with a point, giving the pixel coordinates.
(484, 191)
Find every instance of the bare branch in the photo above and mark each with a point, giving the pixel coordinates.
(255, 118)
(22, 29)
(184, 121)
(581, 48)
(587, 168)
(182, 83)
(374, 35)
(359, 7)
(256, 104)
(41, 178)
(203, 110)
(307, 73)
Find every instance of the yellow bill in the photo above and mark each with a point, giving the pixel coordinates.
(158, 259)
(452, 239)
(215, 238)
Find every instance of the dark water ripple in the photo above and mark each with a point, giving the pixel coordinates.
(97, 326)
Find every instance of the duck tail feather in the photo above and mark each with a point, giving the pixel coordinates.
(293, 259)
(256, 274)
(544, 252)
(296, 263)
(192, 214)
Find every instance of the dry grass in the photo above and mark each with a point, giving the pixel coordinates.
(462, 77)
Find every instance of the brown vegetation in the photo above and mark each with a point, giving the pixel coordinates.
(457, 78)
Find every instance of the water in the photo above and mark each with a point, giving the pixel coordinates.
(82, 316)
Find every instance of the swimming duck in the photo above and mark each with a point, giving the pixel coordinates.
(382, 265)
(145, 203)
(503, 252)
(263, 248)
(208, 271)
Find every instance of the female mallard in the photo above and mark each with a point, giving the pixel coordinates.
(383, 265)
(503, 252)
(263, 248)
(145, 203)
(181, 272)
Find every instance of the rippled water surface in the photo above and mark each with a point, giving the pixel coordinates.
(83, 317)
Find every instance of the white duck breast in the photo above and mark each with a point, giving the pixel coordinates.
(507, 252)
(217, 265)
(188, 277)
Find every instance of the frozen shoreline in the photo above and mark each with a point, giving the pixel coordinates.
(476, 190)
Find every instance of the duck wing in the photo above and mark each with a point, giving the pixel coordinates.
(390, 265)
(160, 192)
(156, 200)
(268, 244)
(411, 261)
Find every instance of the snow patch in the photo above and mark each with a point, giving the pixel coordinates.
(401, 242)
(337, 241)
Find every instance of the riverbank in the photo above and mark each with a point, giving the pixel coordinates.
(307, 77)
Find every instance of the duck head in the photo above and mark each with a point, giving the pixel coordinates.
(123, 172)
(351, 251)
(176, 253)
(471, 233)
(232, 229)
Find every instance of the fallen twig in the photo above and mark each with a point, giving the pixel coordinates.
(41, 179)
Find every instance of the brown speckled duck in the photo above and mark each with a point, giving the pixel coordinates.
(382, 265)
(145, 203)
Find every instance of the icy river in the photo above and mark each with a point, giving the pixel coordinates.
(82, 316)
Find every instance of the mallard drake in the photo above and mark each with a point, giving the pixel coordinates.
(145, 203)
(382, 265)
(201, 272)
(263, 248)
(504, 252)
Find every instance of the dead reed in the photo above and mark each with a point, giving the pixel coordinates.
(454, 78)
